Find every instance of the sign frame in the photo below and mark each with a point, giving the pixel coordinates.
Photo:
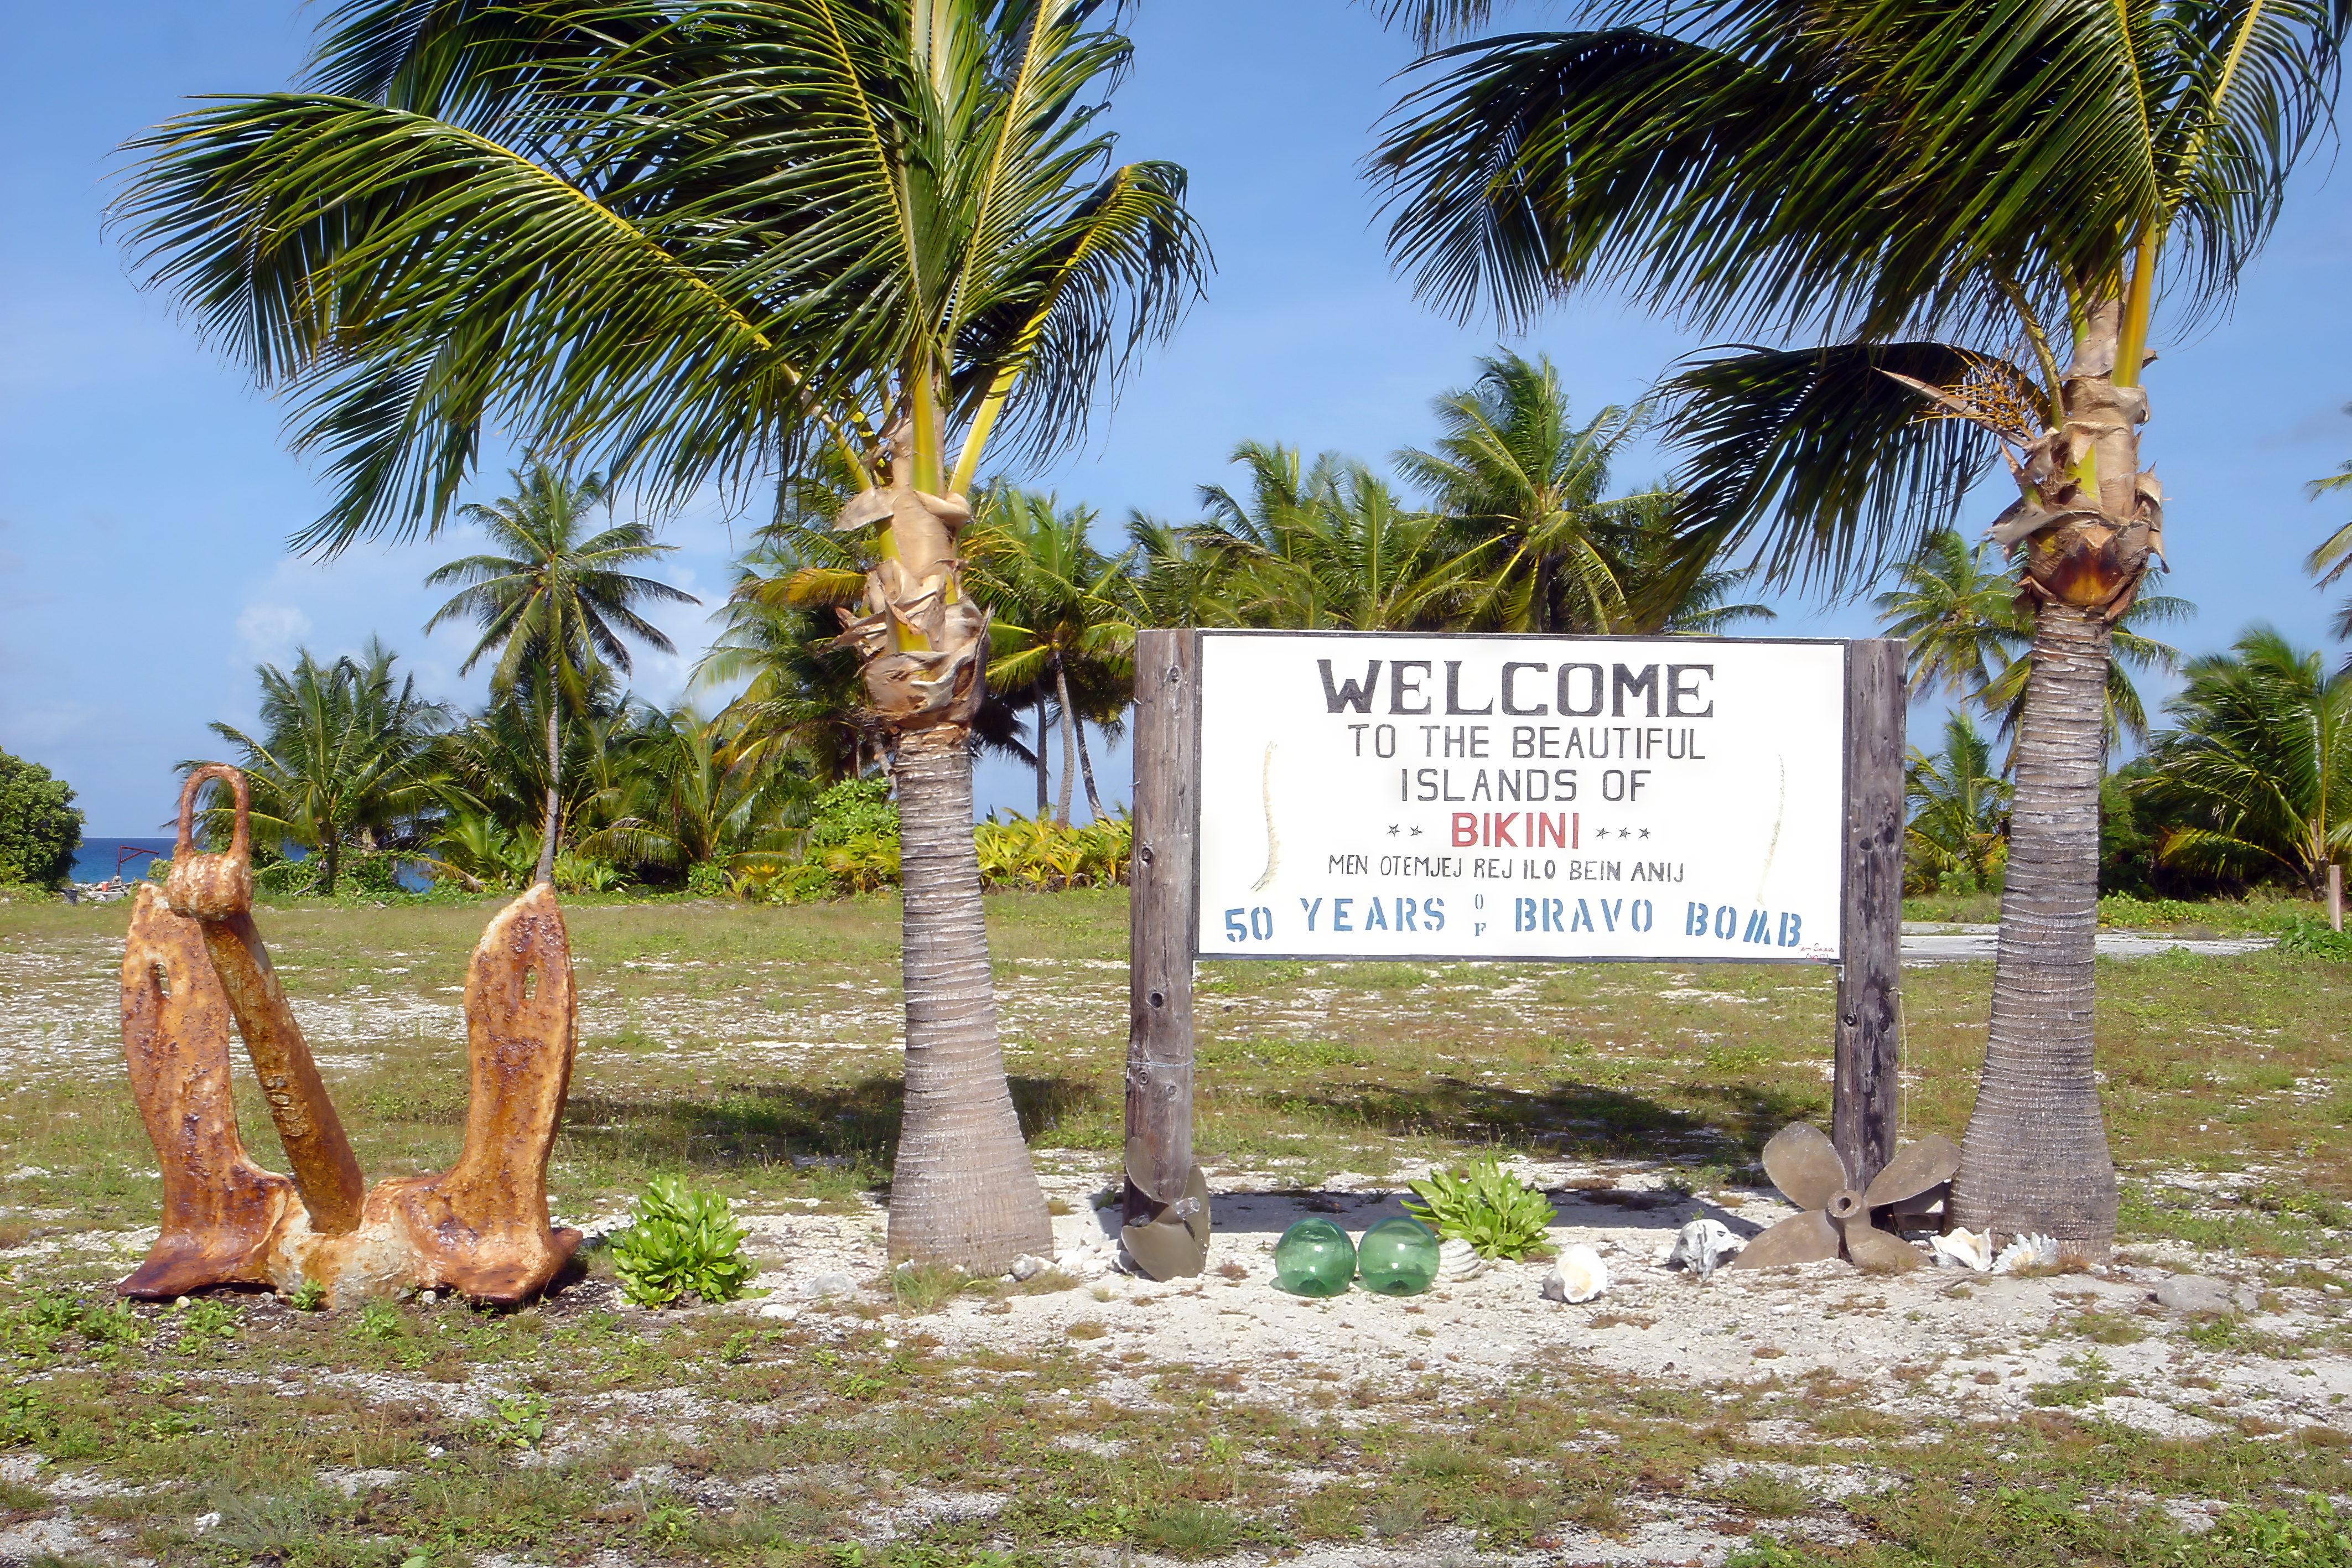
(1165, 1205)
(1194, 761)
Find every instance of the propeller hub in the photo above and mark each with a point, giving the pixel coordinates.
(1844, 1203)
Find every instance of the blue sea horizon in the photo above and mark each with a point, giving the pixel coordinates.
(95, 861)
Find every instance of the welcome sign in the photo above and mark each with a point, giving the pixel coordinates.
(1396, 796)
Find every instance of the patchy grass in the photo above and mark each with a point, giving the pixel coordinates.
(754, 1051)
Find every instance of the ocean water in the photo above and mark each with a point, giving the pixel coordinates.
(94, 862)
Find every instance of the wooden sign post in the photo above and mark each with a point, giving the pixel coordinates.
(1166, 1202)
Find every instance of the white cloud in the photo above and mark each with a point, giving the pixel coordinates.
(270, 634)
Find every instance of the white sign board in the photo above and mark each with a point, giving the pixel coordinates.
(1379, 795)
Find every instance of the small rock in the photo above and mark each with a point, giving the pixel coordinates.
(1026, 1267)
(1702, 1247)
(783, 1310)
(207, 1520)
(826, 1285)
(2196, 1293)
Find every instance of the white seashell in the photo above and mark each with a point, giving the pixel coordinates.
(1579, 1276)
(2027, 1252)
(1702, 1247)
(1962, 1250)
(1457, 1259)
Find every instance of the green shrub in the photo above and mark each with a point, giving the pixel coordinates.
(707, 879)
(578, 873)
(1038, 853)
(2122, 910)
(2313, 939)
(681, 1243)
(1482, 1203)
(2314, 1537)
(39, 828)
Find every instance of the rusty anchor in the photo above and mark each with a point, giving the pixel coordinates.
(194, 966)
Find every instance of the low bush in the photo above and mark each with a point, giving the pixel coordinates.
(1482, 1203)
(1042, 855)
(681, 1242)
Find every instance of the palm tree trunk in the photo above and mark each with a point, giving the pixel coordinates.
(963, 1189)
(1086, 772)
(554, 773)
(2035, 1157)
(330, 844)
(1044, 769)
(1069, 744)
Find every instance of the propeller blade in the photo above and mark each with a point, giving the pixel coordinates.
(1871, 1247)
(1807, 1237)
(1915, 1168)
(1804, 1165)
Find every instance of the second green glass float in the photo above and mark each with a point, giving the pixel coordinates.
(1398, 1257)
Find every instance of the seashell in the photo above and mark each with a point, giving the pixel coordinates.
(1457, 1259)
(1962, 1250)
(2027, 1252)
(1702, 1247)
(1579, 1276)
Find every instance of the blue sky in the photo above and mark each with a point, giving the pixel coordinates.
(145, 495)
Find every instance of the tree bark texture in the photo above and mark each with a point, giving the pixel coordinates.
(963, 1191)
(1069, 744)
(1086, 772)
(2088, 521)
(2035, 1158)
(1044, 768)
(554, 765)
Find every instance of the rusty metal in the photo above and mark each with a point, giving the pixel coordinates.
(221, 1211)
(192, 972)
(218, 889)
(1808, 1170)
(481, 1226)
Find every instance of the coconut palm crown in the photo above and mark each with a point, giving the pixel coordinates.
(1959, 217)
(688, 242)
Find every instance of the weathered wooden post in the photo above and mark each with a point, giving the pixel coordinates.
(1866, 1099)
(2335, 898)
(1166, 1207)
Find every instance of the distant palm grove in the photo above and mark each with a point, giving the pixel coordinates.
(1508, 521)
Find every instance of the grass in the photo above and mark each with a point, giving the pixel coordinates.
(752, 1050)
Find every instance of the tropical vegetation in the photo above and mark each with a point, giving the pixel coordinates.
(1950, 217)
(41, 828)
(554, 604)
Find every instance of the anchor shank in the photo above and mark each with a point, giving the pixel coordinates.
(325, 1171)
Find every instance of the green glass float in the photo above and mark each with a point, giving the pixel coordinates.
(1314, 1257)
(1398, 1257)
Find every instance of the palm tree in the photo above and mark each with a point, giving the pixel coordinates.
(1328, 545)
(1967, 636)
(1958, 615)
(1935, 201)
(555, 604)
(1960, 812)
(2333, 555)
(685, 799)
(2259, 770)
(1060, 608)
(1666, 588)
(692, 242)
(1511, 469)
(344, 758)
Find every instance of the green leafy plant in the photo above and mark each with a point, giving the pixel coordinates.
(308, 1296)
(379, 1321)
(517, 1423)
(2274, 1538)
(682, 1242)
(1482, 1203)
(2313, 939)
(207, 1321)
